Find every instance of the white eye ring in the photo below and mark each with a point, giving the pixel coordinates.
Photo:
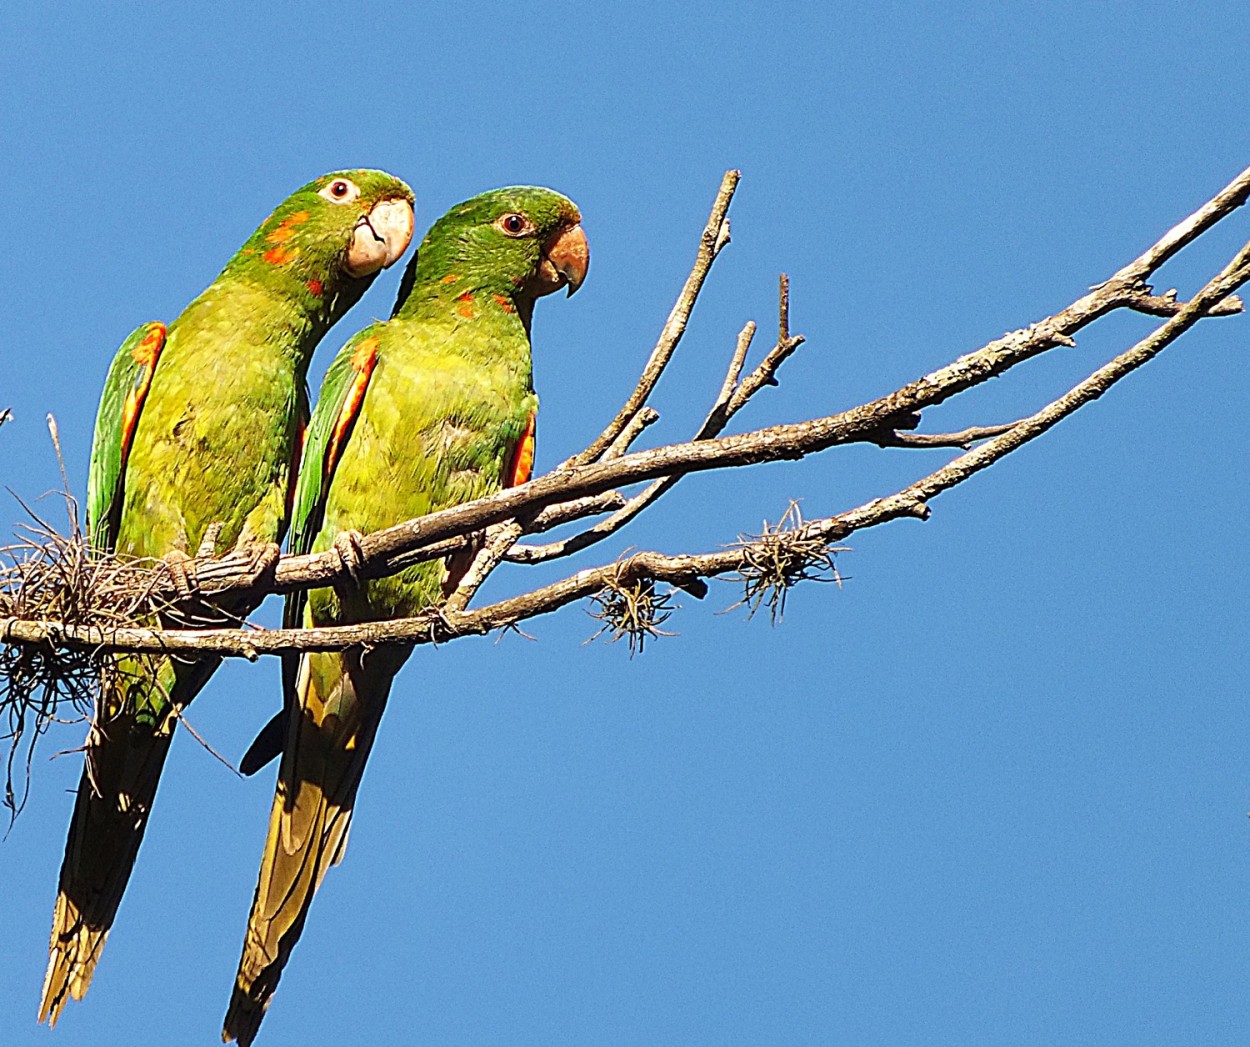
(514, 225)
(339, 191)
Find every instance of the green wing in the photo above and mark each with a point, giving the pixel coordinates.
(338, 404)
(342, 393)
(125, 390)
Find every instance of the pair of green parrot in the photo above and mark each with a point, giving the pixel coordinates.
(203, 445)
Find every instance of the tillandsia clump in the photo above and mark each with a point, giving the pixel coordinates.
(47, 576)
(633, 611)
(779, 557)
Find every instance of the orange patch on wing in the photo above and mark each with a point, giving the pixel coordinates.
(145, 354)
(365, 354)
(466, 305)
(451, 278)
(315, 287)
(505, 303)
(522, 466)
(281, 255)
(363, 361)
(150, 346)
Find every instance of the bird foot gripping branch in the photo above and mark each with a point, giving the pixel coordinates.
(351, 553)
(194, 576)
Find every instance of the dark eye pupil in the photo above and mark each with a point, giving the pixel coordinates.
(513, 223)
(339, 189)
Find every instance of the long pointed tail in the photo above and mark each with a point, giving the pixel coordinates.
(330, 733)
(115, 794)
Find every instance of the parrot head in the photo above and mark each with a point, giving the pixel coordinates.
(333, 235)
(522, 241)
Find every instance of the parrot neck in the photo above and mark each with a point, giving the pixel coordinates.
(494, 334)
(306, 307)
(456, 300)
(437, 280)
(268, 318)
(301, 290)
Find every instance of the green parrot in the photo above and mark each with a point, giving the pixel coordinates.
(196, 446)
(432, 408)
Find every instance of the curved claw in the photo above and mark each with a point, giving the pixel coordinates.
(182, 570)
(264, 558)
(208, 544)
(351, 555)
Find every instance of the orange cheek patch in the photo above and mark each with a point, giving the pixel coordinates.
(465, 308)
(505, 303)
(451, 278)
(280, 255)
(286, 229)
(315, 288)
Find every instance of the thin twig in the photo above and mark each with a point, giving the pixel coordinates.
(715, 237)
(965, 438)
(1166, 304)
(1224, 203)
(648, 416)
(730, 400)
(499, 539)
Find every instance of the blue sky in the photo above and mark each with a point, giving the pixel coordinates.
(993, 790)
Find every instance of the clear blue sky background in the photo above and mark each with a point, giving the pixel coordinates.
(994, 790)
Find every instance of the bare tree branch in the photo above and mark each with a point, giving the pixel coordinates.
(732, 398)
(965, 438)
(587, 484)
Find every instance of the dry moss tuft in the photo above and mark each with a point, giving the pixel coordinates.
(633, 611)
(47, 576)
(781, 556)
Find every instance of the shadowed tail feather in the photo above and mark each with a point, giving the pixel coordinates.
(330, 733)
(115, 795)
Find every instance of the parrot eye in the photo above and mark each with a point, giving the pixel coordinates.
(514, 225)
(340, 191)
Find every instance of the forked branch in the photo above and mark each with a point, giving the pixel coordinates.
(591, 483)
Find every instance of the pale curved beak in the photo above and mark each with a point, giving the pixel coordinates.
(565, 259)
(380, 237)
